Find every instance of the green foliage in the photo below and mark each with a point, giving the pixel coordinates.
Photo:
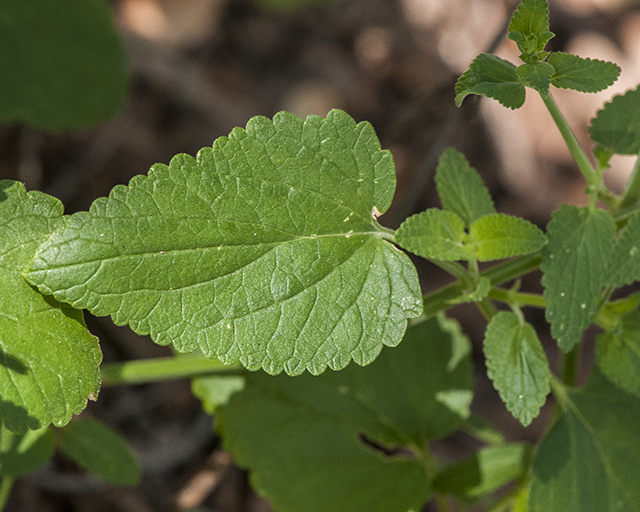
(263, 250)
(616, 127)
(624, 264)
(536, 75)
(502, 236)
(529, 28)
(48, 360)
(355, 439)
(63, 63)
(24, 453)
(584, 75)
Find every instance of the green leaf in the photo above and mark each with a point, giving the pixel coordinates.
(494, 78)
(618, 352)
(529, 28)
(584, 75)
(476, 294)
(461, 189)
(263, 250)
(101, 451)
(435, 234)
(485, 471)
(502, 236)
(24, 453)
(216, 390)
(353, 440)
(590, 459)
(573, 266)
(517, 365)
(536, 75)
(63, 63)
(624, 264)
(616, 127)
(49, 362)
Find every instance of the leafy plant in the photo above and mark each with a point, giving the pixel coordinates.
(264, 252)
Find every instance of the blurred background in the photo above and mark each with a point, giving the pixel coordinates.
(201, 67)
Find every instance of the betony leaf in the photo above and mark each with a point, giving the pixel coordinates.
(585, 75)
(461, 189)
(529, 28)
(49, 362)
(573, 265)
(264, 249)
(616, 127)
(494, 78)
(590, 459)
(435, 234)
(517, 365)
(503, 236)
(536, 75)
(624, 264)
(353, 440)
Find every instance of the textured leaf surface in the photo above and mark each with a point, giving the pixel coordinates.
(309, 441)
(617, 126)
(624, 264)
(435, 234)
(48, 360)
(585, 75)
(618, 352)
(101, 451)
(590, 459)
(66, 60)
(502, 236)
(536, 75)
(573, 265)
(263, 250)
(461, 189)
(494, 78)
(24, 453)
(529, 26)
(517, 365)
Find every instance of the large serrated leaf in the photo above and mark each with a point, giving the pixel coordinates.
(590, 459)
(318, 444)
(63, 63)
(573, 266)
(461, 189)
(517, 365)
(616, 127)
(49, 362)
(529, 27)
(494, 78)
(502, 236)
(263, 250)
(624, 264)
(585, 75)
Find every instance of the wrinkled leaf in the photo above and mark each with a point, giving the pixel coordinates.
(263, 250)
(624, 264)
(585, 75)
(536, 75)
(616, 127)
(24, 453)
(503, 236)
(352, 440)
(48, 360)
(529, 28)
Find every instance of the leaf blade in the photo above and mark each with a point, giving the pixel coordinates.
(616, 126)
(503, 236)
(624, 264)
(529, 27)
(584, 75)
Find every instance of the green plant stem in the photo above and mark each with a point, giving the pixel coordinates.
(487, 308)
(518, 299)
(454, 268)
(632, 190)
(5, 490)
(569, 366)
(163, 368)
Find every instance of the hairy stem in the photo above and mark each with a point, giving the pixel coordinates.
(632, 189)
(518, 299)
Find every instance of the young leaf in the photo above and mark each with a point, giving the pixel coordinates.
(435, 234)
(529, 28)
(63, 62)
(263, 250)
(494, 78)
(517, 365)
(502, 236)
(536, 75)
(584, 75)
(616, 127)
(49, 362)
(101, 451)
(353, 440)
(618, 352)
(590, 459)
(573, 266)
(24, 453)
(624, 264)
(461, 189)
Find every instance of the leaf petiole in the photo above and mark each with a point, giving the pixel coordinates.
(518, 299)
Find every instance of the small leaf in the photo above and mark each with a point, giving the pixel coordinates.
(435, 234)
(49, 362)
(517, 365)
(494, 78)
(263, 250)
(503, 236)
(352, 440)
(573, 266)
(624, 264)
(585, 75)
(216, 390)
(529, 27)
(481, 290)
(536, 75)
(618, 352)
(616, 127)
(461, 189)
(24, 453)
(590, 459)
(101, 451)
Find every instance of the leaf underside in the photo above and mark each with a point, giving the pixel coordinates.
(616, 127)
(263, 250)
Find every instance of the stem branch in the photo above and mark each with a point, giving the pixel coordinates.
(632, 189)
